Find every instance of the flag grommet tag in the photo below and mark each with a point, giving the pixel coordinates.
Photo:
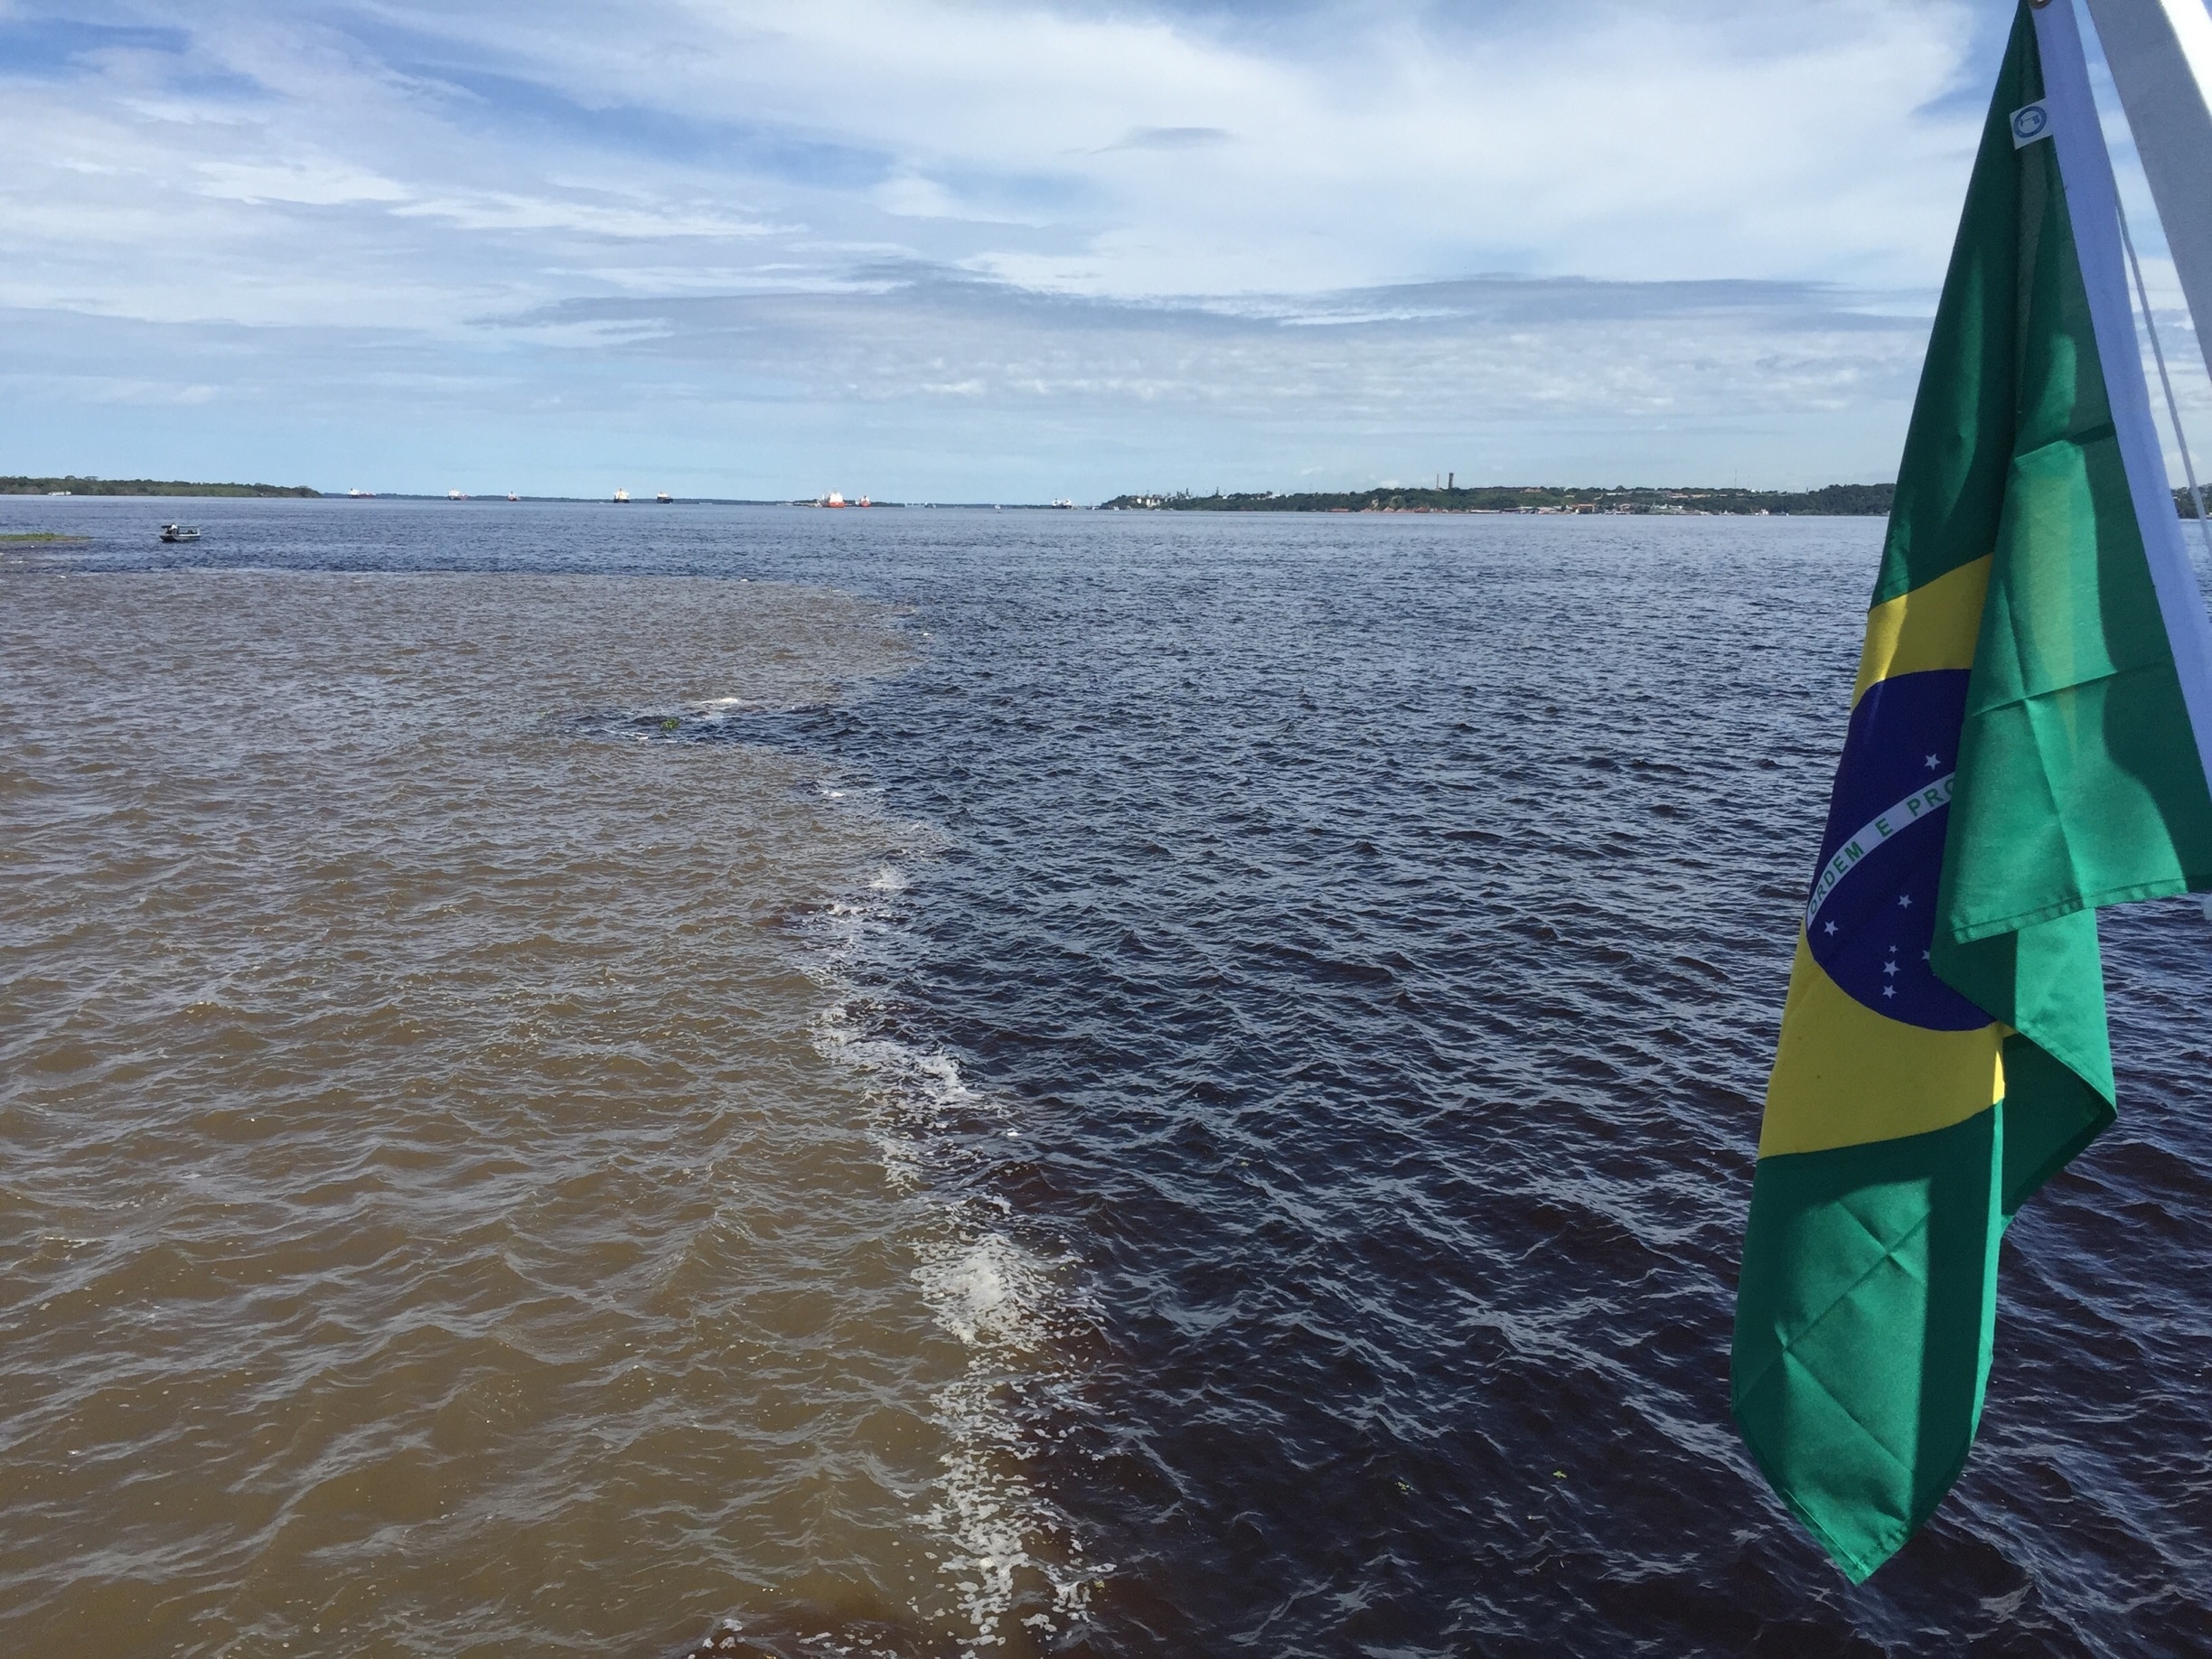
(2029, 123)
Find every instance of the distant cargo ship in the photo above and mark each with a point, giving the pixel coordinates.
(832, 500)
(622, 497)
(664, 498)
(456, 495)
(361, 495)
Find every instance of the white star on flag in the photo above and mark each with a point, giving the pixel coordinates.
(1904, 901)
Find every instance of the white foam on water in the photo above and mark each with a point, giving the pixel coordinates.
(996, 1539)
(986, 1293)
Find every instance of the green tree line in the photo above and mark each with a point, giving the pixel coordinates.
(1853, 501)
(142, 486)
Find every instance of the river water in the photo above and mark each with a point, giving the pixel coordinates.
(599, 1080)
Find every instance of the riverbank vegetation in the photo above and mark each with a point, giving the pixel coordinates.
(142, 486)
(1850, 501)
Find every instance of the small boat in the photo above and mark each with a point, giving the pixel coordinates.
(361, 495)
(512, 496)
(664, 498)
(456, 495)
(180, 533)
(622, 496)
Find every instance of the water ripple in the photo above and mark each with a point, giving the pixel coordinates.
(1310, 983)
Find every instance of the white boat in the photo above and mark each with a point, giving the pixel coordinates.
(456, 495)
(622, 496)
(512, 496)
(361, 495)
(180, 533)
(832, 500)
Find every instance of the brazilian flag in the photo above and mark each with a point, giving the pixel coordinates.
(2020, 750)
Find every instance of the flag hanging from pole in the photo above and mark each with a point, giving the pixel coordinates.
(2026, 744)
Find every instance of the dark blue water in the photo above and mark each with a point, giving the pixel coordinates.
(1382, 925)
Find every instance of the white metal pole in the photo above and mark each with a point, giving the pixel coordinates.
(2161, 56)
(2093, 204)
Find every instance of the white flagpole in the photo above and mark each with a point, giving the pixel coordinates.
(2160, 52)
(2093, 204)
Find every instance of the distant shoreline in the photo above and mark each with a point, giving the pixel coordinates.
(145, 486)
(1832, 500)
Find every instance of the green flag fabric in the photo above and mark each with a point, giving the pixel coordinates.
(2020, 751)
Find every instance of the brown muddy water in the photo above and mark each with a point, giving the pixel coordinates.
(444, 1210)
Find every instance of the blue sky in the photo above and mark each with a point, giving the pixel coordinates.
(976, 251)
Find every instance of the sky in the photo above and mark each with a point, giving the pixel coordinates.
(981, 251)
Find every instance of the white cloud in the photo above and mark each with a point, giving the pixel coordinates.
(1254, 217)
(1119, 153)
(588, 214)
(1800, 140)
(1458, 351)
(311, 182)
(912, 196)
